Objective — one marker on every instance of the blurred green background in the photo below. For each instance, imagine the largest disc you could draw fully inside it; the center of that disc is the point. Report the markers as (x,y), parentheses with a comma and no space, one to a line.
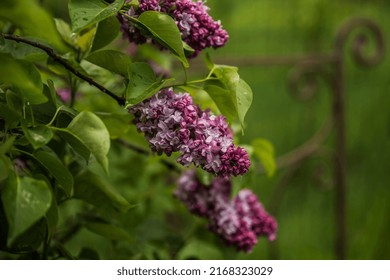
(306,210)
(304,206)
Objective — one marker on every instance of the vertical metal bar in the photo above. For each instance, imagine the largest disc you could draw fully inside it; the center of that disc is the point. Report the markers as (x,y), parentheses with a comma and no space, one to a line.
(340,162)
(339,156)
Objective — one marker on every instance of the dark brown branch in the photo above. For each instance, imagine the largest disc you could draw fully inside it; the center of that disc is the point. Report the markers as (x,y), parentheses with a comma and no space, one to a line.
(50,52)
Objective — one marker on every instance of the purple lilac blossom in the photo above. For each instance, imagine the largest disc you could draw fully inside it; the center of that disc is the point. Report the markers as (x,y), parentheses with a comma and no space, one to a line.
(172,123)
(228,224)
(64,94)
(197,27)
(254,214)
(238,221)
(192,193)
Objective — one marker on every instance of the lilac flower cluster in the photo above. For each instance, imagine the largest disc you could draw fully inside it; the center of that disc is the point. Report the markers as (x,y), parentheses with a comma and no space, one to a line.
(197,27)
(238,221)
(171,122)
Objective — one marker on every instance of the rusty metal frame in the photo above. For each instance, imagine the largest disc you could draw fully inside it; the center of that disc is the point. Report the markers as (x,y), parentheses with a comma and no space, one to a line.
(303,82)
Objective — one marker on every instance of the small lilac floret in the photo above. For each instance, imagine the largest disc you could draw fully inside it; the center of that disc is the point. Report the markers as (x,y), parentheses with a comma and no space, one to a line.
(64,94)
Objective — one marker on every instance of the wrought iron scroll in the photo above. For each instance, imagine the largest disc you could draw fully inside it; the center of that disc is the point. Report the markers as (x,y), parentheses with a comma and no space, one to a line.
(367,49)
(303,83)
(364,29)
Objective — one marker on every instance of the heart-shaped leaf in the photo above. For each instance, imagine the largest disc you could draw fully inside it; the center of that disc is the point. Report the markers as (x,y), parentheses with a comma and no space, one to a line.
(87,134)
(25,201)
(231,94)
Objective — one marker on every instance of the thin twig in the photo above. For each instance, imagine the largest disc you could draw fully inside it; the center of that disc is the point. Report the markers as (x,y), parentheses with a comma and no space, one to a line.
(50,52)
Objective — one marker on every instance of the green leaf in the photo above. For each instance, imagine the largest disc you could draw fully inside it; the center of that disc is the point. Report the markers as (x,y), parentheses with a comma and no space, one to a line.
(111,60)
(87,134)
(80,41)
(5,163)
(244,97)
(38,136)
(68,111)
(194,91)
(4,226)
(223,98)
(44,112)
(25,201)
(84,39)
(163,29)
(22,51)
(106,32)
(227,75)
(14,101)
(197,249)
(232,95)
(188,50)
(264,151)
(10,116)
(142,83)
(117,124)
(93,134)
(52,96)
(64,30)
(52,215)
(74,141)
(98,192)
(88,254)
(33,20)
(6,146)
(31,239)
(23,77)
(56,168)
(87,12)
(5,167)
(109,231)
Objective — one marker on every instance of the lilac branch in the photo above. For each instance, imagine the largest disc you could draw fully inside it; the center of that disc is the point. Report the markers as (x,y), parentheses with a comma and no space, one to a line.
(50,52)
